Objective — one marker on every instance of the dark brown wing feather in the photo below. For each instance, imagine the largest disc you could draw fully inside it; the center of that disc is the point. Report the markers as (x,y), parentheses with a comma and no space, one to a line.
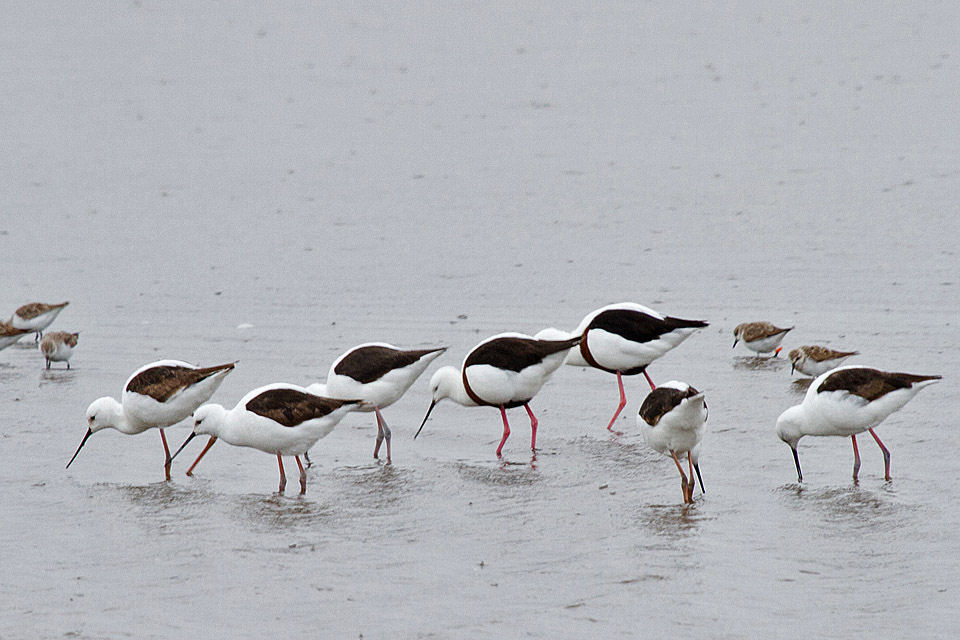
(870,384)
(34,309)
(290,407)
(661,401)
(637,326)
(516,354)
(370,363)
(160,383)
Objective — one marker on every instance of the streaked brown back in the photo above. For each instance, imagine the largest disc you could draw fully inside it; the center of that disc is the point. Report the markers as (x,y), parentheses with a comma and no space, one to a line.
(161,382)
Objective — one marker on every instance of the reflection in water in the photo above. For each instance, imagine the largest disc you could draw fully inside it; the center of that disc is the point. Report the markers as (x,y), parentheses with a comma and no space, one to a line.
(282,512)
(57,376)
(851,507)
(671,521)
(800,385)
(503,475)
(756,363)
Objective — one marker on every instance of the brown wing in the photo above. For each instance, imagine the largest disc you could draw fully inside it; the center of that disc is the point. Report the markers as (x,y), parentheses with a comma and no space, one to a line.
(34,309)
(758,330)
(819,354)
(661,401)
(370,363)
(161,382)
(7,330)
(516,354)
(869,384)
(637,326)
(290,407)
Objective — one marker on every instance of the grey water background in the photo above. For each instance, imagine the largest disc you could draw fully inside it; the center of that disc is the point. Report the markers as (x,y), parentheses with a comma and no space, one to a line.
(275,184)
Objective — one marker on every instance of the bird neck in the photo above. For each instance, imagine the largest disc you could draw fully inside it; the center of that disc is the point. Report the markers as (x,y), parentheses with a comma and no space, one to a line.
(451,386)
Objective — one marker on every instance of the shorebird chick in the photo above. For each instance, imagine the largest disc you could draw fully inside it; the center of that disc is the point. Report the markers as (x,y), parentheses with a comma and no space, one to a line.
(761,337)
(36,316)
(503,371)
(58,346)
(813,360)
(848,401)
(671,420)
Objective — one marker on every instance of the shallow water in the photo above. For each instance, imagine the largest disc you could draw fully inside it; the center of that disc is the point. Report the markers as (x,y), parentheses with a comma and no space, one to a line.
(213,183)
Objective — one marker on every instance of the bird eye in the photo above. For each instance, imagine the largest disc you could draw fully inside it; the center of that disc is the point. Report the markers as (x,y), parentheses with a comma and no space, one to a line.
(91,419)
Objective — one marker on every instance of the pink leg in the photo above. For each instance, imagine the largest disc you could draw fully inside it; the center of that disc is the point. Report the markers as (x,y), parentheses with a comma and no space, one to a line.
(283,477)
(383,433)
(687,492)
(856,459)
(506,430)
(166,452)
(649,381)
(886,456)
(303,476)
(623,403)
(533,428)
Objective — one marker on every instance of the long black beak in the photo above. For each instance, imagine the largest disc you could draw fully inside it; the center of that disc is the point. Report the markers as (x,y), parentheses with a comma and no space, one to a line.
(432,405)
(796,459)
(696,468)
(82,442)
(185,443)
(793,367)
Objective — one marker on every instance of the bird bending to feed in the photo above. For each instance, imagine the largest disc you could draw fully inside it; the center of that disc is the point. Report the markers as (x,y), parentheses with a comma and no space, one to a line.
(379,374)
(624,338)
(58,346)
(157,395)
(36,316)
(280,419)
(848,401)
(761,337)
(671,420)
(9,334)
(813,360)
(503,371)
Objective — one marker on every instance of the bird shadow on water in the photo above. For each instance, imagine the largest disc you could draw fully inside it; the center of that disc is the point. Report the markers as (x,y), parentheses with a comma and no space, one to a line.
(800,385)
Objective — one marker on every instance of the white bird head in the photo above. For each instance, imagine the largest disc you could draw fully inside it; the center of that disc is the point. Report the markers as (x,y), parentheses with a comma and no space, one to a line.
(790,428)
(208,420)
(446,382)
(103,413)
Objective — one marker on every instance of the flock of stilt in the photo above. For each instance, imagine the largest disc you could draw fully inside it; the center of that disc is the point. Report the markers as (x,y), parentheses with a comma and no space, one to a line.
(504,371)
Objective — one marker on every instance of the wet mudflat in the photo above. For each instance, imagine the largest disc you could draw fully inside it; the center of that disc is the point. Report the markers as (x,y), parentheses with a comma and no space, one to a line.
(276,186)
